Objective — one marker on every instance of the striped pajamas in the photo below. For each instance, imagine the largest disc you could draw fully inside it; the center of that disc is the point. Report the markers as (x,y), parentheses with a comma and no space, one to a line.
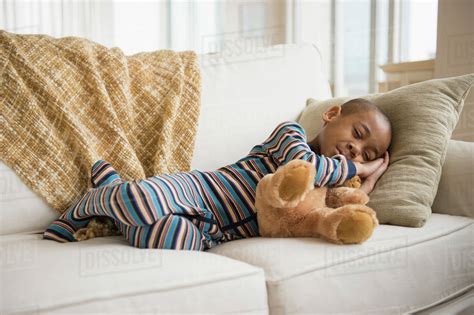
(194,210)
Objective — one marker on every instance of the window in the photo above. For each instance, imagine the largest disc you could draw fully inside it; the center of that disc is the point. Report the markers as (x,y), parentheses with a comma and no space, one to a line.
(362,35)
(355,46)
(134,26)
(418,22)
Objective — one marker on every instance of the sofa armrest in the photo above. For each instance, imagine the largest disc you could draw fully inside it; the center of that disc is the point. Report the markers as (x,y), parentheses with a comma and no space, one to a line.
(456,187)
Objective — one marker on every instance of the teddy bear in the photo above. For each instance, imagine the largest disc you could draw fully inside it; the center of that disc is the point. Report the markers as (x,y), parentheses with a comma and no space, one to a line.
(289,205)
(97,227)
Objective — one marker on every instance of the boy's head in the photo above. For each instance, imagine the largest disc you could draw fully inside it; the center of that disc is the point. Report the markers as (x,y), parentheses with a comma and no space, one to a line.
(357,129)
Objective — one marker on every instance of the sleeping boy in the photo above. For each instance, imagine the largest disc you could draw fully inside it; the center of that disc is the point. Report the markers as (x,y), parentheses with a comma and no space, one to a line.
(198,210)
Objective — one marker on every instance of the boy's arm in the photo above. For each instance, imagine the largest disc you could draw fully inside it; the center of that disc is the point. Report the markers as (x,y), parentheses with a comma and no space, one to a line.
(288,142)
(369,183)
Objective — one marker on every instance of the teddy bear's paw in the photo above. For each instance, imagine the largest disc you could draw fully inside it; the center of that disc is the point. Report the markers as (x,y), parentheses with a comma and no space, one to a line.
(337,197)
(296,180)
(354,182)
(357,225)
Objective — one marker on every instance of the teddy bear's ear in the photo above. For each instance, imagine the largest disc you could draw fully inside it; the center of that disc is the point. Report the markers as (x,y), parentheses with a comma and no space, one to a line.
(354,182)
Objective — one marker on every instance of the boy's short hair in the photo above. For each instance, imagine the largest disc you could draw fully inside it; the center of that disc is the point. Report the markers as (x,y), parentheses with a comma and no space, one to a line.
(358,105)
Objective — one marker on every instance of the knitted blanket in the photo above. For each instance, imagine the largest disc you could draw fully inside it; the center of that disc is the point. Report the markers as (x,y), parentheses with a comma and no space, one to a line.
(68,102)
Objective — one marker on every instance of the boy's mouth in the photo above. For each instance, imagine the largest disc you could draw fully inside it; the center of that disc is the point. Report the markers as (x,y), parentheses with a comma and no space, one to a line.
(339,151)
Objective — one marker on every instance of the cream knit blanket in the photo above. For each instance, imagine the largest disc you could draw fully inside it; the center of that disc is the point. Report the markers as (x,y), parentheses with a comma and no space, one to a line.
(68,102)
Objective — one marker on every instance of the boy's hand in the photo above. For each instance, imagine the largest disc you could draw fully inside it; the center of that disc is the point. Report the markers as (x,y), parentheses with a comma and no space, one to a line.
(364,170)
(369,183)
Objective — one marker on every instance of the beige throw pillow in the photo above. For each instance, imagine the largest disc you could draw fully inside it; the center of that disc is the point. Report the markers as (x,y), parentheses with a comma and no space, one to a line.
(423,116)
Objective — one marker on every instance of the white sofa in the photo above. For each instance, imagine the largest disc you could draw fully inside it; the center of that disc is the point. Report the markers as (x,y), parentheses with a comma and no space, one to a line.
(244,96)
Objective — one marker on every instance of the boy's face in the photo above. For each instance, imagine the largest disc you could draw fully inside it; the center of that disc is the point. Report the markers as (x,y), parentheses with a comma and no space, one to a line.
(360,137)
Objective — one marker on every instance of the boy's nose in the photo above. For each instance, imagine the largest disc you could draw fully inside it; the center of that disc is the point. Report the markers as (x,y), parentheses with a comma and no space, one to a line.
(354,150)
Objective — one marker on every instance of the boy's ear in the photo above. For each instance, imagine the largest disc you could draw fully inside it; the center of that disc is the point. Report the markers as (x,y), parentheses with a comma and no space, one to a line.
(331,113)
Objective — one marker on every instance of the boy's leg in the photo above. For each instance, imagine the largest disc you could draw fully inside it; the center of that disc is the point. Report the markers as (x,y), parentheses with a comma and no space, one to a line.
(169,232)
(137,208)
(136,203)
(103,174)
(62,230)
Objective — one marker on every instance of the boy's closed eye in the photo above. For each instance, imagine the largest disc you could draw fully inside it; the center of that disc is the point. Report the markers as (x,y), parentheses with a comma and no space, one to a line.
(370,153)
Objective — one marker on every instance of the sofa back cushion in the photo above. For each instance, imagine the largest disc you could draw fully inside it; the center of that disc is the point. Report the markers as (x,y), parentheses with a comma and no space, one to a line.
(21,210)
(455,191)
(244,96)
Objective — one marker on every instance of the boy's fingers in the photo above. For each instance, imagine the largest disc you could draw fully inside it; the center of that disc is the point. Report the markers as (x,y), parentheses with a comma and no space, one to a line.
(379,172)
(376,166)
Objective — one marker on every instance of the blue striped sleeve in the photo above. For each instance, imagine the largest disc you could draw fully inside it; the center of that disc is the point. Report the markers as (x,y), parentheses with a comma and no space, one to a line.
(288,142)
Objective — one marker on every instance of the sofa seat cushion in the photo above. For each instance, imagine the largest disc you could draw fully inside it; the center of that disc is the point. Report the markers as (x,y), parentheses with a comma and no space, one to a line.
(398,269)
(106,275)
